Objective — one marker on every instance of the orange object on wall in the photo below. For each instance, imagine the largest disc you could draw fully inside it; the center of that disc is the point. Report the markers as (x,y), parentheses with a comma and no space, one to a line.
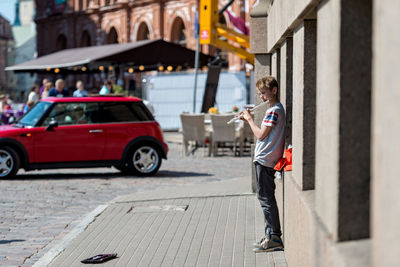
(286,162)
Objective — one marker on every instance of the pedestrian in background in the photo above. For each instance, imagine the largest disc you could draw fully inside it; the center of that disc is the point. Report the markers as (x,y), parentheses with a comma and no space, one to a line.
(117,87)
(107,88)
(59,90)
(4,101)
(28,106)
(47,89)
(269,149)
(80,90)
(34,94)
(44,82)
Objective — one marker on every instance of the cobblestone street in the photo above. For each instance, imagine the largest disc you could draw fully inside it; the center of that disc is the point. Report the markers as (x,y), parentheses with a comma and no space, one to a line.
(39,208)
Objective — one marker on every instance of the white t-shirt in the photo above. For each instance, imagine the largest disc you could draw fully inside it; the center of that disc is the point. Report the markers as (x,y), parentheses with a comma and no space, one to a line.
(270,149)
(33,97)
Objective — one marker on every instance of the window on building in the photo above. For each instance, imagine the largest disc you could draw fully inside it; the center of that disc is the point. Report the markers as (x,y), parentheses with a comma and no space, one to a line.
(112,37)
(143,32)
(61,42)
(178,33)
(85,39)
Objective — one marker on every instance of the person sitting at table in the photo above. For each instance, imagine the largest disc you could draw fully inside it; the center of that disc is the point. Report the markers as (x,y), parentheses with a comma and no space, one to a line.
(59,90)
(107,88)
(80,90)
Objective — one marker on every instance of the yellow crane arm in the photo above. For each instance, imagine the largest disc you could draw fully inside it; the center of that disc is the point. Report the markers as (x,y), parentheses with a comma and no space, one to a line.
(214,33)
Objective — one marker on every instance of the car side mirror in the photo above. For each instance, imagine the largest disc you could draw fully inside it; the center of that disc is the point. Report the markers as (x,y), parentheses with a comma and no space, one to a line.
(52,125)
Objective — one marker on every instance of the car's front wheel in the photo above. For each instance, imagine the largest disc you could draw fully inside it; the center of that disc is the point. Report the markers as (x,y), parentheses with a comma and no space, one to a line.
(144,160)
(9,162)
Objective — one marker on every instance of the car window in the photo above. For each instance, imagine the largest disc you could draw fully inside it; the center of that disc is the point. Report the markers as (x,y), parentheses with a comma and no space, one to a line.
(122,112)
(72,114)
(141,111)
(33,116)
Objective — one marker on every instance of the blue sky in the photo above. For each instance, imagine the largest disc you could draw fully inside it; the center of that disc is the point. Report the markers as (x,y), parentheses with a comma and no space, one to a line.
(7,9)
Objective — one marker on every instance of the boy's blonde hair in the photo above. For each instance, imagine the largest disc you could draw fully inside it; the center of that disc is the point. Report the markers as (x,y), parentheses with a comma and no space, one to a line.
(268,83)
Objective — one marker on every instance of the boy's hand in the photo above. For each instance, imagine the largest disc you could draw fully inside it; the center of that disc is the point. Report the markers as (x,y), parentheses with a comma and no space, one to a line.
(245,115)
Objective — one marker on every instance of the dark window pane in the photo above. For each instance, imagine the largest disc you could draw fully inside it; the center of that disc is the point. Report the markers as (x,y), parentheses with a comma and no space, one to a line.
(141,112)
(123,112)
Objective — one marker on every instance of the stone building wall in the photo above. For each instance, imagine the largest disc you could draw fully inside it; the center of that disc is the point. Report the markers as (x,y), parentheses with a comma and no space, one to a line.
(337,64)
(6,40)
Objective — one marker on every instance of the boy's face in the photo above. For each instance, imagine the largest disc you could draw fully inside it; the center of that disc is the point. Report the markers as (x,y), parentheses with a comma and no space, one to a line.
(267,95)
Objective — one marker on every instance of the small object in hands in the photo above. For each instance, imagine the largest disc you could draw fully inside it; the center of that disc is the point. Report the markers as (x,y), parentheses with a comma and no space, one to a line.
(236,118)
(100,258)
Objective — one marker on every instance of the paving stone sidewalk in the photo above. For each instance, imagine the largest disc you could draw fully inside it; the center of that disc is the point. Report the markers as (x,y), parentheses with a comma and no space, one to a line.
(211,224)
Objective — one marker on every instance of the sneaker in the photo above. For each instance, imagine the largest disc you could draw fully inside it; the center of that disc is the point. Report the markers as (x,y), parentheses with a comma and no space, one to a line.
(273,244)
(258,243)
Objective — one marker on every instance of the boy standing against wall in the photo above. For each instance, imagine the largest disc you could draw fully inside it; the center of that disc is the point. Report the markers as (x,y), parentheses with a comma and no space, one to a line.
(269,149)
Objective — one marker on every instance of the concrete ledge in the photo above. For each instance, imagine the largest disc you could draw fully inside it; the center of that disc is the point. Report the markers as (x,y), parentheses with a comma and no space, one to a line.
(299,217)
(307,242)
(340,254)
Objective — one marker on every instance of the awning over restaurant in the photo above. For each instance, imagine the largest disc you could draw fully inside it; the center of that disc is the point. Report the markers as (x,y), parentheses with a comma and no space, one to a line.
(142,55)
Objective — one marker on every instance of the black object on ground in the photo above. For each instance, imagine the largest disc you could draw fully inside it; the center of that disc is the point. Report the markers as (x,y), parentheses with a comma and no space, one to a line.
(100,258)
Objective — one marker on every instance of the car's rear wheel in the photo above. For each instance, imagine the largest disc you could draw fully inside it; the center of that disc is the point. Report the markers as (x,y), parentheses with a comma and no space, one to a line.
(144,160)
(9,162)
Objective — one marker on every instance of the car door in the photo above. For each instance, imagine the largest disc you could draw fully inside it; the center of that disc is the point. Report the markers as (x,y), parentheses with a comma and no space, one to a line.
(122,125)
(76,138)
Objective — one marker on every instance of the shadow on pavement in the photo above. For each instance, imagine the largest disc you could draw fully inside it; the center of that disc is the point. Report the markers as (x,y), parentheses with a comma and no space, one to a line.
(2,242)
(110,175)
(181,174)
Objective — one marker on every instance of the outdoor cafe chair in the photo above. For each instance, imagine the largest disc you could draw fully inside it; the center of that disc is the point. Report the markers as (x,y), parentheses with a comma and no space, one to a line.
(223,132)
(193,130)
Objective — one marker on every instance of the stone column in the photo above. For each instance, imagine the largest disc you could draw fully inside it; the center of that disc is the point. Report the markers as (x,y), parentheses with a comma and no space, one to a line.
(343,118)
(385,134)
(262,64)
(304,83)
(286,85)
(276,64)
(262,67)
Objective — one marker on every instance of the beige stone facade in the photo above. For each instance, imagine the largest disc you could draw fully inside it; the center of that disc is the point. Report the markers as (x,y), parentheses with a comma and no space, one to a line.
(337,64)
(95,22)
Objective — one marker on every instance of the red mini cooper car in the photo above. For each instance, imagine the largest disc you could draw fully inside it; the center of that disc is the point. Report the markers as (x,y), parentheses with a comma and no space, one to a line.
(84,132)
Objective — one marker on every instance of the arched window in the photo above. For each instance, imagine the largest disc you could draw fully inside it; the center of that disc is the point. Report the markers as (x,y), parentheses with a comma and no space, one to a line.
(143,32)
(178,32)
(61,42)
(112,37)
(85,39)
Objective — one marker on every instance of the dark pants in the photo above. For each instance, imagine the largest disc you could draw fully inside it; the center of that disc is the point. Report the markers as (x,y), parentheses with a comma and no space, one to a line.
(266,196)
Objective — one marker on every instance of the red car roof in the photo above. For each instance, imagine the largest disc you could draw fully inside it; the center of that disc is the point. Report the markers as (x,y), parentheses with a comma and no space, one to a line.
(92,99)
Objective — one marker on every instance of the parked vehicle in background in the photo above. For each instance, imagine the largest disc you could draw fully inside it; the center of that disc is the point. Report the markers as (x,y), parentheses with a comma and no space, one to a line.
(84,132)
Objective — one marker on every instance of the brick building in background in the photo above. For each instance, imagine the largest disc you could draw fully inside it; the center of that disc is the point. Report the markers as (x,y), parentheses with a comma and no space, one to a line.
(6,42)
(79,23)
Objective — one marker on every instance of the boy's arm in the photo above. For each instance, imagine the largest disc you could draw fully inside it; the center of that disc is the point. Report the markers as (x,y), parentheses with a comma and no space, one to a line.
(260,133)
